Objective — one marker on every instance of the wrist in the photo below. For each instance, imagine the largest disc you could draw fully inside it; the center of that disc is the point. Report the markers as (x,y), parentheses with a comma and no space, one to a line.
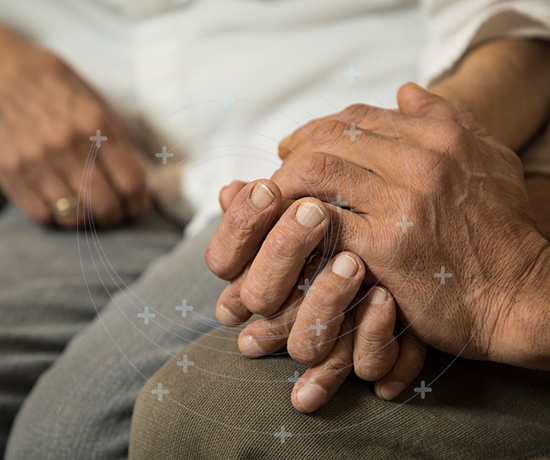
(521,335)
(505,82)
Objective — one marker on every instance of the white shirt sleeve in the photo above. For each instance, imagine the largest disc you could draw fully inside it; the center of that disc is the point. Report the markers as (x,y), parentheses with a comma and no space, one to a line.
(458,25)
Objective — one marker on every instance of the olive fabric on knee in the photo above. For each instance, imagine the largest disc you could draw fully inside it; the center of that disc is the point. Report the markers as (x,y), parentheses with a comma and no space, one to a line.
(227,406)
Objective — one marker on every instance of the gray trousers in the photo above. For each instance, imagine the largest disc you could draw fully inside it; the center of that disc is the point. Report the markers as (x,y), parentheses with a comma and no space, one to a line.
(74,353)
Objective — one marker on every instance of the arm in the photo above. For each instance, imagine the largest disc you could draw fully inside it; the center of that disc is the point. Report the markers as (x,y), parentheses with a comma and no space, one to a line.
(505,83)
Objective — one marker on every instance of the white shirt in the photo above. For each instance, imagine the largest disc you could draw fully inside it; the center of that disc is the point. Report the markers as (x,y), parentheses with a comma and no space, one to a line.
(163,65)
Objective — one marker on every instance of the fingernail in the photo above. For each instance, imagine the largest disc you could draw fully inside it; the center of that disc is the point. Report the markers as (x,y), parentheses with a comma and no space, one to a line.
(344,266)
(309,215)
(391,390)
(311,397)
(226,316)
(261,196)
(249,347)
(377,296)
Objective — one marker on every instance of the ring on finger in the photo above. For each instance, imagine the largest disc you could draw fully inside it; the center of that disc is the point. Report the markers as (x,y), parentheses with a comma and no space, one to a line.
(64,206)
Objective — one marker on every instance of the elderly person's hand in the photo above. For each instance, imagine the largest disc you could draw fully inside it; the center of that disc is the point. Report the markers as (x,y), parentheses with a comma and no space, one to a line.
(464,194)
(48,115)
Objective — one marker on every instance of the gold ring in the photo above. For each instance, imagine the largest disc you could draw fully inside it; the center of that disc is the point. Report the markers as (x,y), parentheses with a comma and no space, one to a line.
(64,206)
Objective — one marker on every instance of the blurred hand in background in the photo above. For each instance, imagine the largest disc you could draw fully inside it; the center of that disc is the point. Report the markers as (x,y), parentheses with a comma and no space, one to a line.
(47,116)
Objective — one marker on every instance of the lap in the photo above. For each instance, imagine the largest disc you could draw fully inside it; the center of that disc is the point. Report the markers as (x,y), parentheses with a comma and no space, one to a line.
(227,406)
(79,406)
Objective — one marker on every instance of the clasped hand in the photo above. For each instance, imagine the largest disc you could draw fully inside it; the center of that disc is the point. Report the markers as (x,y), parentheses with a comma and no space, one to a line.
(359,253)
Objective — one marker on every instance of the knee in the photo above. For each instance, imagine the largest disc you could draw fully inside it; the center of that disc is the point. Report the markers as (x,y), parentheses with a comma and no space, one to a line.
(227,406)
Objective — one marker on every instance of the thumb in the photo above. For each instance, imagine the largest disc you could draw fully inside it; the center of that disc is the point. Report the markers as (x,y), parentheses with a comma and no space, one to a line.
(415,101)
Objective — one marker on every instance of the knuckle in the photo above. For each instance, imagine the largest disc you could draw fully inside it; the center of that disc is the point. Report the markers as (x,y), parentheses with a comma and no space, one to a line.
(252,295)
(303,352)
(330,133)
(238,223)
(59,137)
(217,261)
(272,331)
(132,185)
(336,364)
(314,169)
(352,111)
(283,244)
(371,368)
(454,136)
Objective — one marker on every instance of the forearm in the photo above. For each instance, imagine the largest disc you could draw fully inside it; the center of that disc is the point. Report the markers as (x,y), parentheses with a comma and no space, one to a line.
(505,82)
(523,335)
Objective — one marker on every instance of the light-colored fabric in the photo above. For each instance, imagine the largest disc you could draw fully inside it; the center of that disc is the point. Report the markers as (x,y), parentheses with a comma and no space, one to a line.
(277,59)
(457,26)
(91,365)
(44,301)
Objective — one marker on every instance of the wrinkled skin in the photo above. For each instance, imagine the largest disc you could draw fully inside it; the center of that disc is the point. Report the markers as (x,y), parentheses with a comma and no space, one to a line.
(465,195)
(47,116)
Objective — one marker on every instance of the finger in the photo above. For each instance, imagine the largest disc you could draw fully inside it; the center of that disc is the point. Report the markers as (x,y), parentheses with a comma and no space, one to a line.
(78,168)
(284,149)
(375,348)
(117,157)
(119,162)
(25,199)
(364,148)
(320,382)
(243,226)
(417,102)
(321,313)
(267,335)
(230,311)
(228,193)
(330,179)
(279,261)
(378,120)
(51,188)
(66,157)
(412,353)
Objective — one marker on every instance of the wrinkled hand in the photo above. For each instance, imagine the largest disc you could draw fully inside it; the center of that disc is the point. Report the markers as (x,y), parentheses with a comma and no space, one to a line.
(47,116)
(464,194)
